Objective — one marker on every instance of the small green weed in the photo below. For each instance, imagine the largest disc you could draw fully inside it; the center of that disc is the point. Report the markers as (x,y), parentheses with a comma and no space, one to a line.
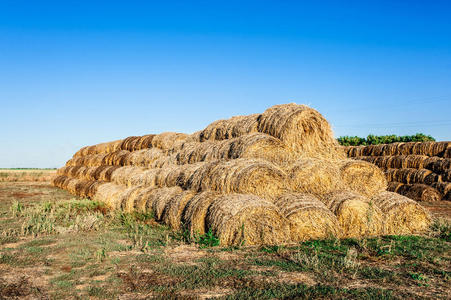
(208,240)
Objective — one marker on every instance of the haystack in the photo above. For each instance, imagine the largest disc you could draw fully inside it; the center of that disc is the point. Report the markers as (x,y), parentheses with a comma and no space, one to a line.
(362,177)
(314,176)
(239,219)
(309,218)
(356,214)
(402,215)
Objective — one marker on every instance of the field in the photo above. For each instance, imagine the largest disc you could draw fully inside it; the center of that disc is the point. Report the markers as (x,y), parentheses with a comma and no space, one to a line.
(57,246)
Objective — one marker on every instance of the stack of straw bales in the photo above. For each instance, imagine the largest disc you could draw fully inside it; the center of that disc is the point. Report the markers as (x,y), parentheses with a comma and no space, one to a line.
(418,170)
(270,178)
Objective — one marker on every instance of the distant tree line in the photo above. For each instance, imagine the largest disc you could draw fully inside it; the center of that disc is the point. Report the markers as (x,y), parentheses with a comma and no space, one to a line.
(382,139)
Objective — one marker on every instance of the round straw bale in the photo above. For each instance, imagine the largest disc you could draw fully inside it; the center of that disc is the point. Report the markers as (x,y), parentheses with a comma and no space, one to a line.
(423,148)
(254,145)
(447,153)
(309,217)
(412,176)
(94,160)
(439,148)
(239,219)
(72,171)
(446,176)
(89,173)
(71,162)
(172,213)
(58,180)
(81,188)
(233,127)
(166,140)
(302,128)
(91,189)
(402,215)
(145,142)
(160,198)
(70,185)
(143,158)
(143,178)
(110,194)
(163,162)
(193,216)
(128,143)
(356,214)
(405,148)
(376,150)
(258,145)
(440,166)
(190,176)
(139,201)
(194,137)
(167,176)
(315,176)
(115,158)
(65,183)
(129,203)
(363,177)
(80,172)
(443,187)
(415,161)
(98,171)
(356,151)
(198,176)
(128,197)
(123,174)
(420,192)
(246,176)
(106,173)
(394,186)
(193,152)
(63,170)
(79,153)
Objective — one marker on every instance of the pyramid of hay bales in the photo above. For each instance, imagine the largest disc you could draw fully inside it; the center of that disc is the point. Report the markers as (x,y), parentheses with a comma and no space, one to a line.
(418,170)
(271,178)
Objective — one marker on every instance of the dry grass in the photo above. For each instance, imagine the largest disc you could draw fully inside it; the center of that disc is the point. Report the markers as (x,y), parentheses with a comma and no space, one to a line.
(26,175)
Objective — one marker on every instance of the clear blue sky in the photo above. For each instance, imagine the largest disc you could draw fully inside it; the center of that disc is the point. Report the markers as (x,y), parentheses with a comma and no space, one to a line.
(74,73)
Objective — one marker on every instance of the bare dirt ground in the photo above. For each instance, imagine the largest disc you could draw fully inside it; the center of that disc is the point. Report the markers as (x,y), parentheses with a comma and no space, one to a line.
(53,245)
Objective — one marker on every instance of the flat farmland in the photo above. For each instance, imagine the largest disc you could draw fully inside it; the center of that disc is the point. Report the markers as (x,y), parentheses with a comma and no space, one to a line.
(54,245)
